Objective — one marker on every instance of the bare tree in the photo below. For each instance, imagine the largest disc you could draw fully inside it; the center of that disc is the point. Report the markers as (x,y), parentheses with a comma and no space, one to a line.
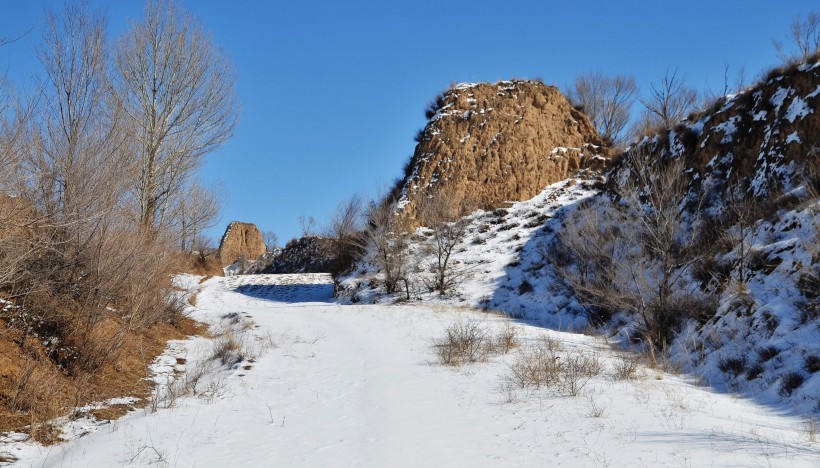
(196,210)
(634,255)
(736,85)
(388,243)
(271,240)
(177,90)
(606,100)
(804,35)
(76,145)
(741,213)
(345,232)
(308,225)
(448,230)
(669,101)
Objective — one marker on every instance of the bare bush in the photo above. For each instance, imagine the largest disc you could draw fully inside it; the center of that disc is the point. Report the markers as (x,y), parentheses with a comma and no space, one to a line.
(448,231)
(506,340)
(464,341)
(596,409)
(549,365)
(812,425)
(804,36)
(388,243)
(741,213)
(635,254)
(537,366)
(228,350)
(607,100)
(626,367)
(577,369)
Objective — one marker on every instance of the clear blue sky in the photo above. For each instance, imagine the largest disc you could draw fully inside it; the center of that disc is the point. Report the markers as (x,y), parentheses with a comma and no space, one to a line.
(332,92)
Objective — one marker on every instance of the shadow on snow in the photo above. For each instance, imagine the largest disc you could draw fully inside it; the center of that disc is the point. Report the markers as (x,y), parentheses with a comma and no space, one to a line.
(289,293)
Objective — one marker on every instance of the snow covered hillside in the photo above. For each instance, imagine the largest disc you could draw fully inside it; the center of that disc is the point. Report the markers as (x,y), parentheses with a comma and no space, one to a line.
(764,342)
(285,382)
(499,264)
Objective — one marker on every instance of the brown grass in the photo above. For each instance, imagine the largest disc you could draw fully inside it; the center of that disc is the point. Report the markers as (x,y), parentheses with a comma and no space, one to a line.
(34,391)
(195,264)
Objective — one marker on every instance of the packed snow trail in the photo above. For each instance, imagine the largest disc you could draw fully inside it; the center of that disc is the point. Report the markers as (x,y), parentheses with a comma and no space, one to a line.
(358,386)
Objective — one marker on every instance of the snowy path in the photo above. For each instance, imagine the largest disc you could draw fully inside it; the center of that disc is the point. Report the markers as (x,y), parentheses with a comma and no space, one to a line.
(358,386)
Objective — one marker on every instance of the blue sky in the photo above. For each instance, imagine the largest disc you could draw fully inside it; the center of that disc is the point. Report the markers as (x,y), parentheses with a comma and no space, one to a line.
(332,92)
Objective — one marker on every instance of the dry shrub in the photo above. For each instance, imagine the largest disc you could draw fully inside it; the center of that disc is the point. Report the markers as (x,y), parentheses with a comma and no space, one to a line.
(549,365)
(507,339)
(538,366)
(467,341)
(229,350)
(577,369)
(791,382)
(626,367)
(197,264)
(464,341)
(812,426)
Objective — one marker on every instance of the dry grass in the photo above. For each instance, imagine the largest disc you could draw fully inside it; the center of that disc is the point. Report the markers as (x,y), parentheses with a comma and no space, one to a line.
(34,391)
(812,426)
(467,341)
(626,367)
(548,364)
(195,264)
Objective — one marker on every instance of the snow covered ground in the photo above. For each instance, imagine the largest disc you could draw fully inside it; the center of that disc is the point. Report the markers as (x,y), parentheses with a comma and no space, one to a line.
(313,383)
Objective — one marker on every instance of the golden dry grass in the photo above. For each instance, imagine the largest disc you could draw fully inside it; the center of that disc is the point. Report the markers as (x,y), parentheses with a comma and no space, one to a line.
(33,390)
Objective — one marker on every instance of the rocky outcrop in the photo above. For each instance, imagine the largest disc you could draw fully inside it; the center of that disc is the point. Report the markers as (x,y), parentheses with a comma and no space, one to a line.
(309,254)
(765,140)
(487,144)
(241,240)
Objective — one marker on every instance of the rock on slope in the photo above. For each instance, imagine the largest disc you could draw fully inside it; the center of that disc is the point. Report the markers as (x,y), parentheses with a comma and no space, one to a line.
(487,144)
(308,254)
(768,135)
(241,240)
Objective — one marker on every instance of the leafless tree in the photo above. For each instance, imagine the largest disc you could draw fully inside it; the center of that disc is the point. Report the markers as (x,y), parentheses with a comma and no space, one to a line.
(345,233)
(308,225)
(804,35)
(448,230)
(741,213)
(607,100)
(388,243)
(729,85)
(76,148)
(634,254)
(271,240)
(669,101)
(196,210)
(177,90)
